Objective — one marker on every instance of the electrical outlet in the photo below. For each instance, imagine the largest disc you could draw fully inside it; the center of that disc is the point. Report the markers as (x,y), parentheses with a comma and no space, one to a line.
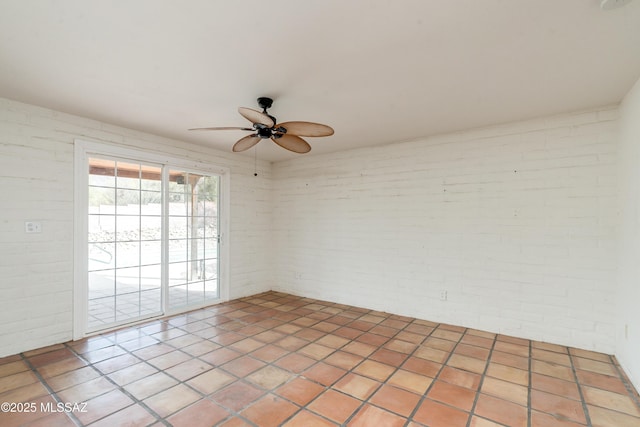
(443,295)
(32,227)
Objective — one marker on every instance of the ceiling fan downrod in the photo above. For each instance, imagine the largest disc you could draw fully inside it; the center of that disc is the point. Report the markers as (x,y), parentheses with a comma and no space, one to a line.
(266,103)
(261,130)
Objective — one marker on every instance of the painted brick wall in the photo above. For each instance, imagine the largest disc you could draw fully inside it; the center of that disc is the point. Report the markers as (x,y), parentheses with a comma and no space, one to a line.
(36,168)
(515,222)
(628,331)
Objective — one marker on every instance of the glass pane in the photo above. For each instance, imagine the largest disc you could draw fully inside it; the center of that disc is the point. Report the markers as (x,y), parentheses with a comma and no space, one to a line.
(178,250)
(127,307)
(151,289)
(102,172)
(151,227)
(128,202)
(177,204)
(150,252)
(128,175)
(127,182)
(177,296)
(195,293)
(127,280)
(177,227)
(127,254)
(101,288)
(207,191)
(101,284)
(211,289)
(150,301)
(151,276)
(211,207)
(178,182)
(101,312)
(210,269)
(101,228)
(211,248)
(177,273)
(195,228)
(151,178)
(128,227)
(151,202)
(196,248)
(101,200)
(101,256)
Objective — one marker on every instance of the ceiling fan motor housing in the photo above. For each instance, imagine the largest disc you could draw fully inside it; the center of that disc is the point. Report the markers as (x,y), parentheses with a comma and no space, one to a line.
(265,102)
(263,132)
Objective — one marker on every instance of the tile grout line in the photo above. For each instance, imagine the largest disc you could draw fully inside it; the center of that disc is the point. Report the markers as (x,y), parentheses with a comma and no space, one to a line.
(444,363)
(579,385)
(356,411)
(364,402)
(232,413)
(627,384)
(482,377)
(146,362)
(114,342)
(389,338)
(530,386)
(272,363)
(410,355)
(316,362)
(397,368)
(49,389)
(121,389)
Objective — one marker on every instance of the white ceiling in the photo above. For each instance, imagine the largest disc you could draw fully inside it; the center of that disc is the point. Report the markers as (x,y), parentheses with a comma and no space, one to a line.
(377,71)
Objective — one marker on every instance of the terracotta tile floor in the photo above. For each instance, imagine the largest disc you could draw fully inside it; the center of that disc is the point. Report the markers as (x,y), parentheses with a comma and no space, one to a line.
(275,359)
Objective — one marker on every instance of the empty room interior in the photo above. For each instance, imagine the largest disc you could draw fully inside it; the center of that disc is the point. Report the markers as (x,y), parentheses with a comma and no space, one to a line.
(320,213)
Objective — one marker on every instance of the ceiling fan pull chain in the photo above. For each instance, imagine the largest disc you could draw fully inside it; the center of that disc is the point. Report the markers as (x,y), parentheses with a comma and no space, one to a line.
(255,162)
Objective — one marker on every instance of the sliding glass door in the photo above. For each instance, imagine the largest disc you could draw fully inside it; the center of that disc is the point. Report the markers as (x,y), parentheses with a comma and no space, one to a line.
(152,239)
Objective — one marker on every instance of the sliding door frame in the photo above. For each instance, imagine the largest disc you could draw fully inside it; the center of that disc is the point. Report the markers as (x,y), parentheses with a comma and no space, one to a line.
(83,150)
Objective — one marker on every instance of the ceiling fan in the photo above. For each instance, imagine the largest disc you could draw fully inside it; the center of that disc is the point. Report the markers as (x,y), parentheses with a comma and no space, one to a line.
(286,135)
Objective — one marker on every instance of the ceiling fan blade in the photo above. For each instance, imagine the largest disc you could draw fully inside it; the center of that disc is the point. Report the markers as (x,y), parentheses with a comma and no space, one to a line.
(245,143)
(256,116)
(293,143)
(306,129)
(222,128)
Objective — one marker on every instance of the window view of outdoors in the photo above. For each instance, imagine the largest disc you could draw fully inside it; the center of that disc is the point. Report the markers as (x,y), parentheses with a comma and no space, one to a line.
(125,238)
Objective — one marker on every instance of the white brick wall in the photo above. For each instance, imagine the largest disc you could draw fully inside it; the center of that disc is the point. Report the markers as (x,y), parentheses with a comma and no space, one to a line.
(36,168)
(515,222)
(628,328)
